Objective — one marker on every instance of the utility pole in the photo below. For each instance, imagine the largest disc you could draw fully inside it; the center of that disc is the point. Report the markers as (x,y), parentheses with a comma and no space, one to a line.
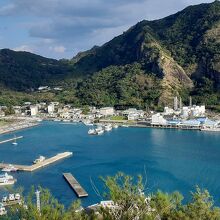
(38,199)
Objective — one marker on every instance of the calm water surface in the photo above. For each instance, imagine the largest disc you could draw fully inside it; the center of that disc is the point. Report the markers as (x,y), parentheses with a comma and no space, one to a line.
(173,159)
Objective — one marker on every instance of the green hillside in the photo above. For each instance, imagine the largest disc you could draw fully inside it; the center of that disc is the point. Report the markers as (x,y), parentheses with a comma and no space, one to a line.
(145,66)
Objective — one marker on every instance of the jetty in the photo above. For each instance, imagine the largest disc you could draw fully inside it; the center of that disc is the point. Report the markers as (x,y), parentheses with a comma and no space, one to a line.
(11,139)
(80,192)
(39,165)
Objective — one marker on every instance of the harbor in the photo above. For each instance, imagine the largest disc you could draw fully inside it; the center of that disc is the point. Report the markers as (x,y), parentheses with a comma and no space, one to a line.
(78,189)
(126,149)
(39,165)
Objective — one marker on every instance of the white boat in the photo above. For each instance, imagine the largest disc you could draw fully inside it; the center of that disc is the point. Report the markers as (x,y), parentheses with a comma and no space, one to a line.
(2,210)
(10,168)
(99,130)
(88,123)
(115,126)
(92,131)
(125,126)
(15,141)
(211,129)
(38,160)
(108,127)
(6,179)
(66,120)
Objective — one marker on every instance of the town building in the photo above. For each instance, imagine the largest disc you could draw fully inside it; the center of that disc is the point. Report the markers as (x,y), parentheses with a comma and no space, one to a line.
(50,108)
(158,119)
(34,110)
(107,111)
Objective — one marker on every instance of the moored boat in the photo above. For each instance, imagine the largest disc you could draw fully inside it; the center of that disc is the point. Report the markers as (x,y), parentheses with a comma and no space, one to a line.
(99,130)
(210,129)
(38,160)
(92,131)
(6,179)
(115,126)
(10,168)
(108,127)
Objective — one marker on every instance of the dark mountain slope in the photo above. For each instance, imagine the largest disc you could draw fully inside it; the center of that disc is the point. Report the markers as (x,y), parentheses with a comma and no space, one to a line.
(23,70)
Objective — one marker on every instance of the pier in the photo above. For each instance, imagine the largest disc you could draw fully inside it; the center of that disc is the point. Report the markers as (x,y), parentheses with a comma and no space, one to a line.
(39,165)
(80,192)
(11,139)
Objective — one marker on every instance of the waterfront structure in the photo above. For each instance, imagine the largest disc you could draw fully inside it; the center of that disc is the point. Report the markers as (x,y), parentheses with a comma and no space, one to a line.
(133,114)
(168,111)
(50,108)
(158,119)
(34,110)
(107,111)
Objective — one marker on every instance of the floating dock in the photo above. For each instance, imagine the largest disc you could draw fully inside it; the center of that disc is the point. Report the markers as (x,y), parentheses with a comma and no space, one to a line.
(11,139)
(11,203)
(80,192)
(39,165)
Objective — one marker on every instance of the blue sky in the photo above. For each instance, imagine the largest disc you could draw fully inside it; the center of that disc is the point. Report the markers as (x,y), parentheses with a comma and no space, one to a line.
(62,28)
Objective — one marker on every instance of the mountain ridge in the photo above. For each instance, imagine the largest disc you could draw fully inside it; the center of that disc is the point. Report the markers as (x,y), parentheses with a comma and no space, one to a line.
(178,55)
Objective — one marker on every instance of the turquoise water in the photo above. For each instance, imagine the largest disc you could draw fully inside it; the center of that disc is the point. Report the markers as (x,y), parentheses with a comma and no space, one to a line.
(173,159)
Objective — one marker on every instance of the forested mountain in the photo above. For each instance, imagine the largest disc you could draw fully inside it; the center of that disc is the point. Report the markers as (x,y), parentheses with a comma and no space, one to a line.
(22,70)
(146,65)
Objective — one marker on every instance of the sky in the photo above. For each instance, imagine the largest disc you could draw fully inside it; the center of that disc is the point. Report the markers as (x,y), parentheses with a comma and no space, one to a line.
(62,28)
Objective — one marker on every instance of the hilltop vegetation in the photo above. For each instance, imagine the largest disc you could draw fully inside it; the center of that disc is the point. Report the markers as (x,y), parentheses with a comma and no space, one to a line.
(146,65)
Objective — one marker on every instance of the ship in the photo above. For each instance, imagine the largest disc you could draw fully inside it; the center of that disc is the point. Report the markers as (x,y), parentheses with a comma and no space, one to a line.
(217,129)
(6,179)
(15,141)
(108,127)
(10,168)
(38,160)
(99,130)
(92,132)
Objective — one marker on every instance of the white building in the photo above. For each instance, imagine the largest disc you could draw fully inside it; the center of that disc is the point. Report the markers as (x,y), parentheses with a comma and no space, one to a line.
(197,111)
(168,111)
(50,108)
(185,112)
(107,111)
(158,119)
(34,110)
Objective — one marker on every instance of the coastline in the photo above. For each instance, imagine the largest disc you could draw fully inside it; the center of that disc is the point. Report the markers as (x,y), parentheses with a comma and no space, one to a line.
(17,127)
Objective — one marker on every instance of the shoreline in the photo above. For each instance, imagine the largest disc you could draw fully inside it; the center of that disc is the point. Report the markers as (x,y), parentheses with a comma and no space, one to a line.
(17,127)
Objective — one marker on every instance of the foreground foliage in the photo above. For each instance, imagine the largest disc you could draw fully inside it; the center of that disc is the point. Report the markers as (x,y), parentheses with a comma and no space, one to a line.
(130,203)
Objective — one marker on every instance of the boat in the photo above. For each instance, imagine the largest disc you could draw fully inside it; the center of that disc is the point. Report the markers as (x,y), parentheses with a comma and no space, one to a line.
(15,141)
(38,160)
(2,210)
(92,131)
(10,168)
(211,129)
(115,126)
(6,179)
(88,123)
(108,127)
(66,120)
(99,130)
(125,126)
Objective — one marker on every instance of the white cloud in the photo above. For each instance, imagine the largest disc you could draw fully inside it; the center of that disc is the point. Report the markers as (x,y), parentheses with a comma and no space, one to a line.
(58,49)
(24,48)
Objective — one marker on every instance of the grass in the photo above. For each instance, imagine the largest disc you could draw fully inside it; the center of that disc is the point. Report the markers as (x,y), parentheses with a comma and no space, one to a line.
(118,117)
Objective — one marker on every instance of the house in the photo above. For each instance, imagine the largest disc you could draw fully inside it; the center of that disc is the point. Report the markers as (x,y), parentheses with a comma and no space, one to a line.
(168,111)
(50,108)
(34,110)
(107,111)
